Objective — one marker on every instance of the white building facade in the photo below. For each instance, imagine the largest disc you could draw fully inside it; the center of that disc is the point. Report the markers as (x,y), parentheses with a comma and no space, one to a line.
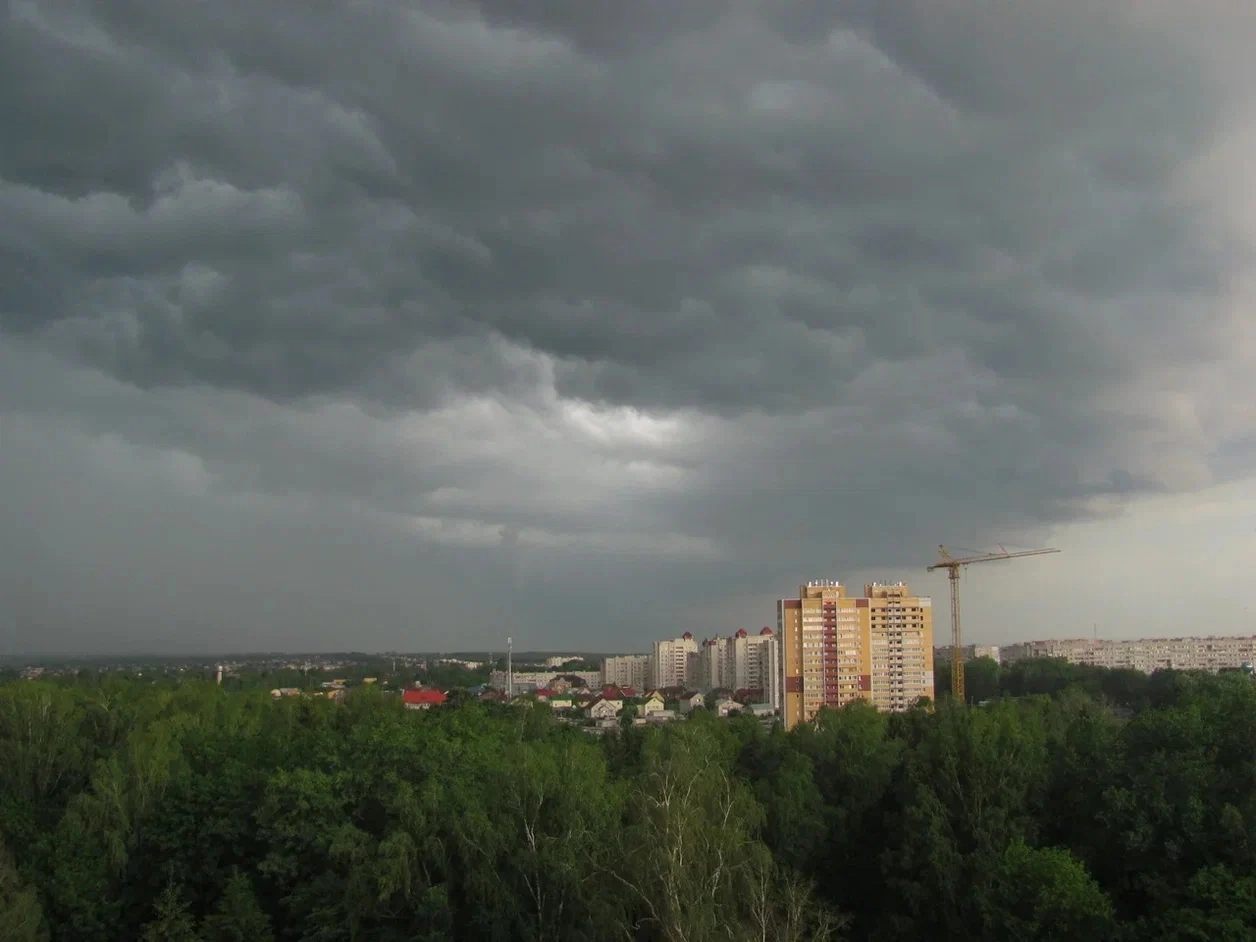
(630,670)
(527,681)
(1143,654)
(748,664)
(676,662)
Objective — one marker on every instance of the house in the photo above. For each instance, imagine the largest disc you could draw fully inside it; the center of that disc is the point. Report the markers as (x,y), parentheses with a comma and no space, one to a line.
(423,699)
(566,683)
(582,700)
(691,701)
(724,706)
(560,702)
(653,703)
(602,709)
(762,710)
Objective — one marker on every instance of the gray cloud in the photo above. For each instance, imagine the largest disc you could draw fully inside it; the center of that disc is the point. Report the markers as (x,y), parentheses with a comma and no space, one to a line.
(604,301)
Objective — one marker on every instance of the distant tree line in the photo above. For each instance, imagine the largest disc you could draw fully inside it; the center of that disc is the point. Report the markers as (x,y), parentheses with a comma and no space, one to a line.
(985,679)
(1073,805)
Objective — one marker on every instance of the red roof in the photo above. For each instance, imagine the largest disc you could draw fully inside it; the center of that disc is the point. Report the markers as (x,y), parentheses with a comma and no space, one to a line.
(766,630)
(742,633)
(424,696)
(687,636)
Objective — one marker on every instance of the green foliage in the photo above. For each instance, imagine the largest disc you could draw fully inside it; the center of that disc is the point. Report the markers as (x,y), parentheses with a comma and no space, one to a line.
(1076,804)
(171,922)
(1044,894)
(21,917)
(238,916)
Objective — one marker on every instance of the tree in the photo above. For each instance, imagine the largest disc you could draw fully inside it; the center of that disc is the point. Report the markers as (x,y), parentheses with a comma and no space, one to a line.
(171,921)
(238,917)
(1218,906)
(627,714)
(1042,894)
(981,679)
(21,919)
(193,812)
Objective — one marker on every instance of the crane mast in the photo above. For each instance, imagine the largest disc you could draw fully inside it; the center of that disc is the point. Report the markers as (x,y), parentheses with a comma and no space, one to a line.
(953,565)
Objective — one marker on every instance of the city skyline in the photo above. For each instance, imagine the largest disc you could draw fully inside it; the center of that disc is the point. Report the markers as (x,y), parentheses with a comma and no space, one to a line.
(398,323)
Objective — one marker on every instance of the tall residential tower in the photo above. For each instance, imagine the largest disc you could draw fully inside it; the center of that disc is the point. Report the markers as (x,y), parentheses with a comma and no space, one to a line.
(836,649)
(675,662)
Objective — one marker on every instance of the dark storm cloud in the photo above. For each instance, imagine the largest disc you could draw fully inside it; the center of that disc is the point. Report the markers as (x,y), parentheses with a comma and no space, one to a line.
(824,239)
(361,182)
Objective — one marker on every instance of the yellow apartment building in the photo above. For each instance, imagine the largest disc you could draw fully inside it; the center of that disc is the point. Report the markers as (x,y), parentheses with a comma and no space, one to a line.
(836,648)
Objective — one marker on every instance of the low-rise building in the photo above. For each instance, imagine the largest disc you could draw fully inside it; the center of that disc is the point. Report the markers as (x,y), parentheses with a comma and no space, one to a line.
(691,701)
(652,704)
(535,680)
(422,699)
(602,708)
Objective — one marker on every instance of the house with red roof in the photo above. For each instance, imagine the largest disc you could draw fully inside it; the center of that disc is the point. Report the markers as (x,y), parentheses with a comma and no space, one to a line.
(422,699)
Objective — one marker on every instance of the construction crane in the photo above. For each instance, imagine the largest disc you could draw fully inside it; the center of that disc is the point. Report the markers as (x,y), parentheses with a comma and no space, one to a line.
(952,565)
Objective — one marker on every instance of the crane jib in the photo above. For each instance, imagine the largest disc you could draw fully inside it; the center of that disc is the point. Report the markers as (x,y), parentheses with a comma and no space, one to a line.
(953,565)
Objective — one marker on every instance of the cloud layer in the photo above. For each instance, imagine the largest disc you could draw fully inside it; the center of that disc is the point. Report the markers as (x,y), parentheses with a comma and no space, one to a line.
(416,324)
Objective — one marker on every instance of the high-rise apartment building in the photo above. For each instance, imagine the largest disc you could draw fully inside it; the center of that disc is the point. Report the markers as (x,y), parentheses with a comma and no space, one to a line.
(836,649)
(715,667)
(756,665)
(747,664)
(676,662)
(630,670)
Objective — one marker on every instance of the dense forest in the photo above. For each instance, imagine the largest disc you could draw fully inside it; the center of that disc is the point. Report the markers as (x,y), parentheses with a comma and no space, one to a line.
(1064,804)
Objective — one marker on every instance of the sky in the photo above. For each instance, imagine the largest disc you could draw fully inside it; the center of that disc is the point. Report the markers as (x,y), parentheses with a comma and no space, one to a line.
(417,325)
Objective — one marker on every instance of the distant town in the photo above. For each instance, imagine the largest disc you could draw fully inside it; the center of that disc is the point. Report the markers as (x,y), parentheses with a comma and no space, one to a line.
(828,648)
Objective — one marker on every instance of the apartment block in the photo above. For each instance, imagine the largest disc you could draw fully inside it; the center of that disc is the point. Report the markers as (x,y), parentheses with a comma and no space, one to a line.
(835,648)
(942,655)
(715,664)
(675,662)
(745,663)
(630,670)
(1210,653)
(757,665)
